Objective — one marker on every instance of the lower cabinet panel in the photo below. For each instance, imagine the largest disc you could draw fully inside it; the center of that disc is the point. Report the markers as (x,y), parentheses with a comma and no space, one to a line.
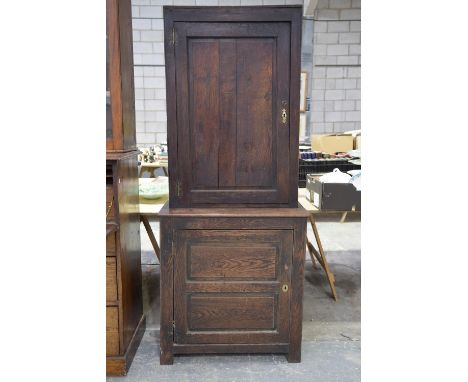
(215,261)
(231,312)
(231,283)
(228,287)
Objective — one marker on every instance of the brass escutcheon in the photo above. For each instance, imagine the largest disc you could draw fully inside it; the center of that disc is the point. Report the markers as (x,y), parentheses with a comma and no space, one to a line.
(285,287)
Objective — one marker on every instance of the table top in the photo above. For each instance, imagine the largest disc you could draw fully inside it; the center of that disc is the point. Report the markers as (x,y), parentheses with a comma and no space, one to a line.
(154,206)
(235,212)
(302,199)
(154,164)
(151,206)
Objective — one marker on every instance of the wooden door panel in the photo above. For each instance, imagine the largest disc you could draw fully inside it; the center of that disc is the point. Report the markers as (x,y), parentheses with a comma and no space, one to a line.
(207,312)
(228,113)
(228,286)
(231,85)
(212,262)
(255,60)
(204,84)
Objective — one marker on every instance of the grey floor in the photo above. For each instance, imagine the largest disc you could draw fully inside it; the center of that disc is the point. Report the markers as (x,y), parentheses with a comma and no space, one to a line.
(331,348)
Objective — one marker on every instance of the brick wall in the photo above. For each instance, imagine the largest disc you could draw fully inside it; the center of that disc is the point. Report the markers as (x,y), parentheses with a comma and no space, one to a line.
(336,74)
(334,90)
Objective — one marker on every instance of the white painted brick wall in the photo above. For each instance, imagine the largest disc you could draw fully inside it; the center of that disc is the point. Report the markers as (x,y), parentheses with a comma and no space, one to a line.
(148,50)
(340,4)
(337,59)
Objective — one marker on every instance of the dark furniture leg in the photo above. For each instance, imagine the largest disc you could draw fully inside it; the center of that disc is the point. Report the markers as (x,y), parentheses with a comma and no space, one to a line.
(297,292)
(166,294)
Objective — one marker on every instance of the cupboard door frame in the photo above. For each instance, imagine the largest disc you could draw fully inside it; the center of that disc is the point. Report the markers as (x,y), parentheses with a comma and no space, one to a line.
(278,34)
(216,293)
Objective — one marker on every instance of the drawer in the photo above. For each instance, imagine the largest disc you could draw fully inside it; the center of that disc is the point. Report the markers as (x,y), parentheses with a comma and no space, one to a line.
(112,331)
(111,279)
(111,244)
(110,202)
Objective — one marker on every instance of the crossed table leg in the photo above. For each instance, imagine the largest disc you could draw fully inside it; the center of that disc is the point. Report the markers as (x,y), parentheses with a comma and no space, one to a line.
(314,254)
(150,233)
(320,256)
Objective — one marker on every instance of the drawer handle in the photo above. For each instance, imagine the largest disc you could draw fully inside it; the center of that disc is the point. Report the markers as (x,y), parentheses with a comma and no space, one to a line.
(285,287)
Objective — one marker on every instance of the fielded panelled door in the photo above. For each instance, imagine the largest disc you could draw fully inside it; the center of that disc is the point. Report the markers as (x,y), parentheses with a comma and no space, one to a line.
(232,116)
(231,286)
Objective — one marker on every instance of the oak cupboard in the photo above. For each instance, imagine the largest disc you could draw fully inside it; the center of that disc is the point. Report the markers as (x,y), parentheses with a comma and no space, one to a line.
(232,235)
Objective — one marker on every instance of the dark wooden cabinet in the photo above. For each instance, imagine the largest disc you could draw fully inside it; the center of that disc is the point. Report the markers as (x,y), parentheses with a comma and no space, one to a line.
(232,235)
(231,281)
(233,105)
(125,322)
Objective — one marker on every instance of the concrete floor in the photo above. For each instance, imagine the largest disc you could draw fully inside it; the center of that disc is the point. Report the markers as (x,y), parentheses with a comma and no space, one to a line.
(331,349)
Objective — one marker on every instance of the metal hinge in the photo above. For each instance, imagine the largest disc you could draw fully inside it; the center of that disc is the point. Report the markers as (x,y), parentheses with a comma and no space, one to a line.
(173,40)
(179,188)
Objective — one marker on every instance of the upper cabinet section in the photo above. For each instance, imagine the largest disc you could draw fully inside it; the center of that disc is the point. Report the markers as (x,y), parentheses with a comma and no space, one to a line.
(233,105)
(120,90)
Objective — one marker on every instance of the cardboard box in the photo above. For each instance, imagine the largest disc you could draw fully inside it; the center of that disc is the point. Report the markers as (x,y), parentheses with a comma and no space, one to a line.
(332,196)
(332,143)
(357,142)
(357,138)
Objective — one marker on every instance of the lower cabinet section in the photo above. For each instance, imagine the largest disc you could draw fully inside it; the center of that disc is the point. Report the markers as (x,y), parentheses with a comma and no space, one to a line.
(231,283)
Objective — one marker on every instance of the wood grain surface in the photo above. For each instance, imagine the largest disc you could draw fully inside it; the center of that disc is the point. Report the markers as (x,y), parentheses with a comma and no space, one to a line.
(232,262)
(111,279)
(249,312)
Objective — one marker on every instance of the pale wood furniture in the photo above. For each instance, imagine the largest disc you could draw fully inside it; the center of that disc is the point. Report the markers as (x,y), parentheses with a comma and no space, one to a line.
(149,209)
(150,167)
(317,254)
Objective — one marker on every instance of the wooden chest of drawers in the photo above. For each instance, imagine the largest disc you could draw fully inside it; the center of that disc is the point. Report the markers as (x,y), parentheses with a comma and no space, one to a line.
(125,322)
(231,281)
